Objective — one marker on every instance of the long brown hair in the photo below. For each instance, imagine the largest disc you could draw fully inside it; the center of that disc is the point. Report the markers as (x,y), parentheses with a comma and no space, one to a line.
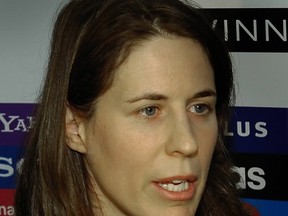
(90,40)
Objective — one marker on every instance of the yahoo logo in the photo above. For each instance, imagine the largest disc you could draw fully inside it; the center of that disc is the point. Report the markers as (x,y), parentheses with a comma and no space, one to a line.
(12,123)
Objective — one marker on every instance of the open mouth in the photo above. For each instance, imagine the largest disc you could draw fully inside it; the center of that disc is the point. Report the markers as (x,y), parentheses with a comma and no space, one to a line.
(175,186)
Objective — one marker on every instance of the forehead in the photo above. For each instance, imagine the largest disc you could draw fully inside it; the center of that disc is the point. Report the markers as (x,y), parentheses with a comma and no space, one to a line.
(162,61)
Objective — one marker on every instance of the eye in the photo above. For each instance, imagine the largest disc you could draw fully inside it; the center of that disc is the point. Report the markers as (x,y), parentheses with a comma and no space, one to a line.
(200,109)
(149,112)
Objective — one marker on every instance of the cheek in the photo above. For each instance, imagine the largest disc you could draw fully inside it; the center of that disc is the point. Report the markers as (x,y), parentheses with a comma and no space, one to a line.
(119,148)
(119,156)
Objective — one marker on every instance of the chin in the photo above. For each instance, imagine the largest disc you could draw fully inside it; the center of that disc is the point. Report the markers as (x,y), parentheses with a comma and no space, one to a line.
(175,211)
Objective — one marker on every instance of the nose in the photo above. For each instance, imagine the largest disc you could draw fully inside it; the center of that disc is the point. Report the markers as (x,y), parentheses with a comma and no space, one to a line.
(182,140)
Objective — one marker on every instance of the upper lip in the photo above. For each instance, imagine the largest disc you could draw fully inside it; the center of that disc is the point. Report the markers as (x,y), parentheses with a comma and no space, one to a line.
(188,178)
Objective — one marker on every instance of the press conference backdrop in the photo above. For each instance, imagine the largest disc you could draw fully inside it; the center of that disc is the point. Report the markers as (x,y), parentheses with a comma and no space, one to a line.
(256,35)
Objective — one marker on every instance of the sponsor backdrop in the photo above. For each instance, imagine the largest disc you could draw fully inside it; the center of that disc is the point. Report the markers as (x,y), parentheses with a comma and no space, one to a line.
(256,35)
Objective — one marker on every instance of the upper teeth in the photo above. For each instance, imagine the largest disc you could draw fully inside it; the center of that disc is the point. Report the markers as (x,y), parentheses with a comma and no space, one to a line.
(175,185)
(177,181)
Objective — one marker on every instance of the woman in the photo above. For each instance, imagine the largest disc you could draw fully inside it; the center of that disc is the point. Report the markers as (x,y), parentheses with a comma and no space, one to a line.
(130,119)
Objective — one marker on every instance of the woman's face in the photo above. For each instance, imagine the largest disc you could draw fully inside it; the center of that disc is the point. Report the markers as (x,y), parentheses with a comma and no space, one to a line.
(150,142)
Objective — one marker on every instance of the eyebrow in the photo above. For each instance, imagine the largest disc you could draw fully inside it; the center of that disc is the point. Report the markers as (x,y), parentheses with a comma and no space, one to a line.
(148,96)
(156,96)
(205,93)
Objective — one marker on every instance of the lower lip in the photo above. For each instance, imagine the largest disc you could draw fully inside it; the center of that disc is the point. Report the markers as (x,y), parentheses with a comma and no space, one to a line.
(176,196)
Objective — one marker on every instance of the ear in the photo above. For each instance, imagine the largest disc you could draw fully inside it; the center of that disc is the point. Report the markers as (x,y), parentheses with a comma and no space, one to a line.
(75,133)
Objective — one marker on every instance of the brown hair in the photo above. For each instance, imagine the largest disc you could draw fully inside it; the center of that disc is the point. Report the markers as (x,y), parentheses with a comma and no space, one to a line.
(90,40)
